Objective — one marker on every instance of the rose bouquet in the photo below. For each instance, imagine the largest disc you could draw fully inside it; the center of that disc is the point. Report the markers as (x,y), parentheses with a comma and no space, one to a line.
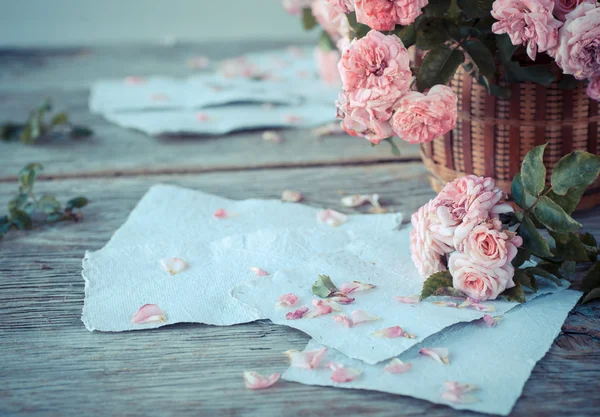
(471,241)
(388,92)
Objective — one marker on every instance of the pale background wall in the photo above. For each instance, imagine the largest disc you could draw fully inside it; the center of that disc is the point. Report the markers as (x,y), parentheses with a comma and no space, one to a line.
(85,22)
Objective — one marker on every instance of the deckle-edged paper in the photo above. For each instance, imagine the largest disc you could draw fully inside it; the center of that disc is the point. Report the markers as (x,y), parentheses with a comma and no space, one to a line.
(395,275)
(125,274)
(498,360)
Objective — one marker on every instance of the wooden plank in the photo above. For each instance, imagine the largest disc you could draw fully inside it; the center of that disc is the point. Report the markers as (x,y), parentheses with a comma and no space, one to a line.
(26,78)
(50,365)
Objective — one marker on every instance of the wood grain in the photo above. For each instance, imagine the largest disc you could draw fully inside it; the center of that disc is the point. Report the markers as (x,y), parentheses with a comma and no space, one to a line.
(51,366)
(27,77)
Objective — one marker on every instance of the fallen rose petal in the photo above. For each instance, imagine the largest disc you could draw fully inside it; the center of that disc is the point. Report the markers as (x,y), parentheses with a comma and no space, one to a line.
(440,355)
(202,117)
(458,393)
(298,314)
(134,80)
(309,359)
(393,332)
(259,272)
(470,303)
(343,320)
(396,366)
(334,306)
(292,118)
(360,316)
(254,380)
(291,196)
(355,286)
(342,299)
(287,300)
(319,310)
(331,217)
(149,313)
(491,321)
(359,200)
(341,374)
(411,299)
(446,303)
(272,136)
(329,130)
(220,214)
(173,265)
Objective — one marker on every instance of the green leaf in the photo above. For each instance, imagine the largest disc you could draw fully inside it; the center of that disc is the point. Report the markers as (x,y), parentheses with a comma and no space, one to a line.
(27,177)
(533,240)
(482,57)
(533,171)
(10,131)
(308,20)
(540,272)
(588,239)
(78,131)
(437,7)
(438,66)
(59,119)
(407,34)
(569,247)
(527,280)
(323,287)
(566,270)
(395,150)
(569,201)
(577,169)
(436,281)
(591,278)
(20,219)
(431,33)
(592,295)
(326,43)
(48,204)
(499,91)
(77,202)
(568,82)
(517,191)
(554,217)
(18,202)
(505,47)
(476,8)
(534,73)
(515,294)
(523,256)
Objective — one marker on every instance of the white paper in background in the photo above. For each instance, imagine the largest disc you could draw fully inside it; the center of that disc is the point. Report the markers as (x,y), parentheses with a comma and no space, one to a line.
(171,214)
(120,280)
(163,93)
(397,278)
(499,360)
(226,119)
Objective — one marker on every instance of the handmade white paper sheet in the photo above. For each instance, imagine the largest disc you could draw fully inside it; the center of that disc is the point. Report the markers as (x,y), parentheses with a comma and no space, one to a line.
(398,277)
(125,274)
(498,360)
(221,120)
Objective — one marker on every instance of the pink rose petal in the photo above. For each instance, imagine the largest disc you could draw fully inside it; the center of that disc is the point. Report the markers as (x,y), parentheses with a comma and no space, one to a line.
(287,300)
(292,118)
(359,200)
(259,272)
(298,314)
(341,374)
(360,316)
(328,130)
(202,117)
(328,302)
(253,380)
(134,80)
(446,304)
(470,303)
(411,299)
(272,136)
(320,309)
(220,214)
(342,299)
(331,217)
(355,286)
(292,196)
(396,366)
(393,332)
(491,321)
(173,265)
(459,393)
(343,320)
(149,313)
(440,355)
(309,359)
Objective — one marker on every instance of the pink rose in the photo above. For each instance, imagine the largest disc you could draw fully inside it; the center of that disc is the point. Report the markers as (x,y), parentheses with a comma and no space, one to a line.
(331,19)
(527,22)
(468,201)
(327,62)
(476,281)
(362,120)
(490,246)
(427,246)
(344,6)
(564,7)
(593,89)
(421,118)
(295,6)
(386,14)
(578,51)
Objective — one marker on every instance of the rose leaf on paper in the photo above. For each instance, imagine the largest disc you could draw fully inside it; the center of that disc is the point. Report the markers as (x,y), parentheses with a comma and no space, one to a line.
(323,287)
(437,281)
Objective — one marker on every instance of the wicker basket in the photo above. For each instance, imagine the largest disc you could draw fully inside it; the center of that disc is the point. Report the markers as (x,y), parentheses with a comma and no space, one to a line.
(492,135)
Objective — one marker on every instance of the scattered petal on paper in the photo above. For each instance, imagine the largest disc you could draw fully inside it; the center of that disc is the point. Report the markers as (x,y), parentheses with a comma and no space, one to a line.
(253,380)
(331,217)
(272,136)
(396,366)
(491,321)
(360,316)
(393,332)
(320,309)
(343,320)
(341,299)
(287,300)
(292,196)
(173,266)
(309,359)
(149,313)
(355,286)
(459,393)
(469,303)
(440,355)
(258,272)
(297,314)
(359,200)
(342,374)
(411,299)
(220,214)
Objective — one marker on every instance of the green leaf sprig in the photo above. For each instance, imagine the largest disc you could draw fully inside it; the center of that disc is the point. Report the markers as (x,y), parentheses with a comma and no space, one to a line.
(38,127)
(26,209)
